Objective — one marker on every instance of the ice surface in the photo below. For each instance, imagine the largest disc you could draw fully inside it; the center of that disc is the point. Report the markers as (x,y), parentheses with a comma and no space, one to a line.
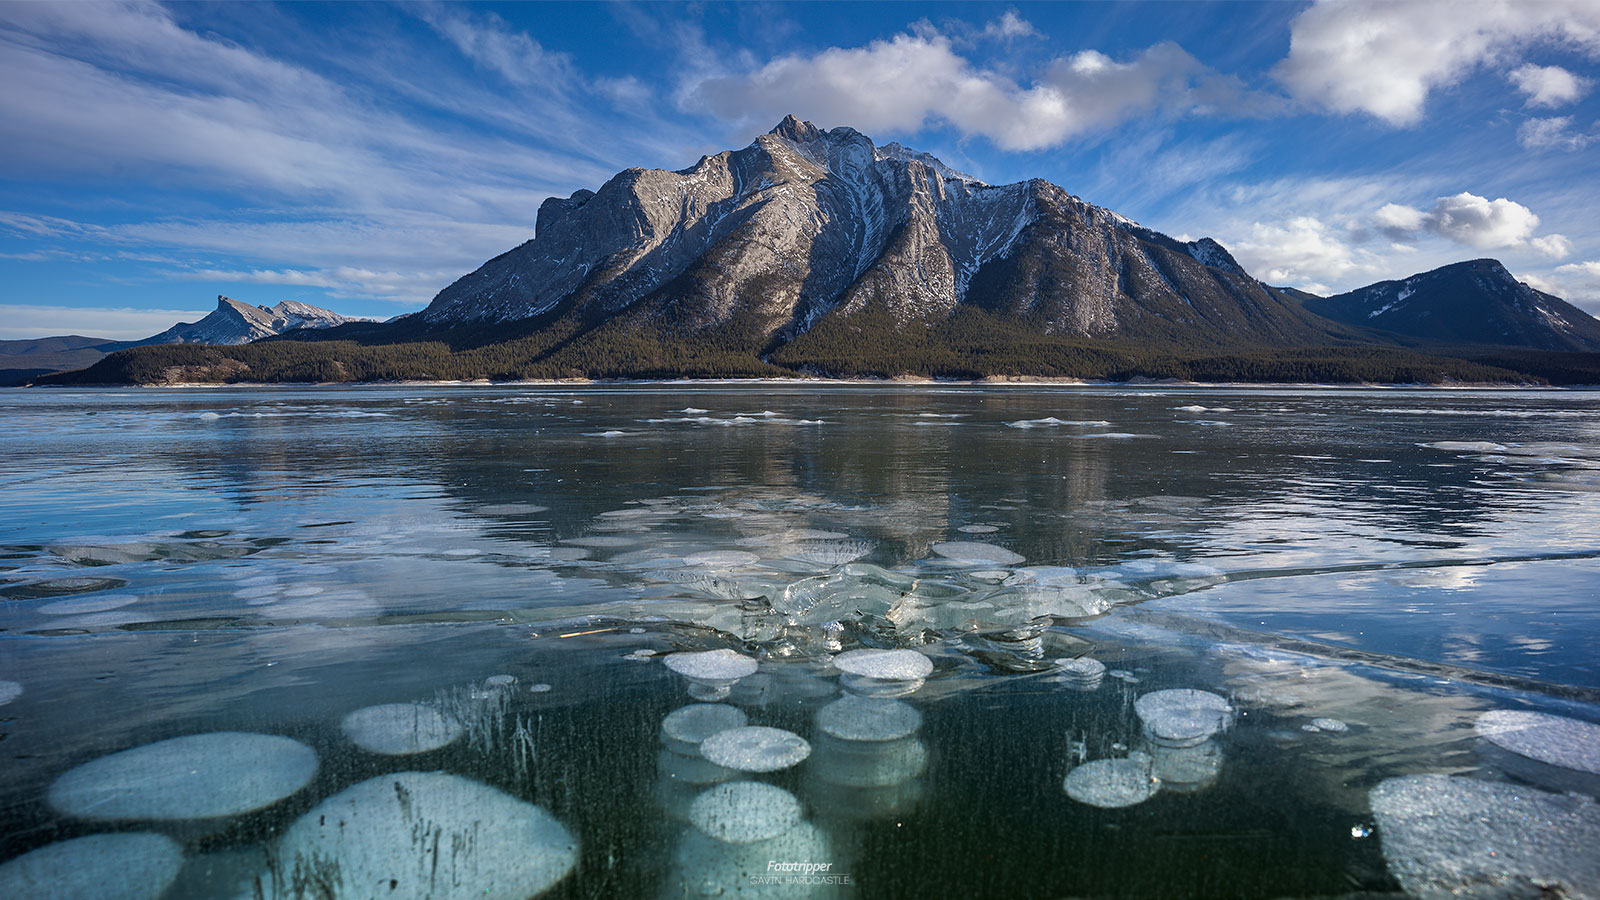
(741,812)
(755,748)
(400,729)
(722,559)
(201,776)
(91,604)
(9,691)
(1446,837)
(124,866)
(420,835)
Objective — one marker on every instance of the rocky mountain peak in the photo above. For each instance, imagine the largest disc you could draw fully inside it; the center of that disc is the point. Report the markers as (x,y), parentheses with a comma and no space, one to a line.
(792,129)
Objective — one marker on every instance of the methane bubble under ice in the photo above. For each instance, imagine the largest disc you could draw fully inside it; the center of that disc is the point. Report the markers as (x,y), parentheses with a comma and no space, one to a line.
(202,776)
(683,730)
(400,729)
(417,836)
(1447,837)
(742,812)
(854,718)
(755,748)
(123,866)
(1113,783)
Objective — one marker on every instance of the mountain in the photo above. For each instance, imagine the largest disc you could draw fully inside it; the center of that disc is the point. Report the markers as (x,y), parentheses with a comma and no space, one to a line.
(807,229)
(817,252)
(20,361)
(233,322)
(1474,302)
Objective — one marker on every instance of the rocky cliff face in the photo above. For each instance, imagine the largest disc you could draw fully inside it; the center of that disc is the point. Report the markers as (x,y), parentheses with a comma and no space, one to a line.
(1474,302)
(805,224)
(233,322)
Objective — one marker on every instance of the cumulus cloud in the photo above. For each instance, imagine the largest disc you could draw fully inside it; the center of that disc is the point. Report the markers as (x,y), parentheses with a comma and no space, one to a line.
(1384,58)
(1302,252)
(1549,86)
(914,79)
(1477,222)
(1554,133)
(1577,283)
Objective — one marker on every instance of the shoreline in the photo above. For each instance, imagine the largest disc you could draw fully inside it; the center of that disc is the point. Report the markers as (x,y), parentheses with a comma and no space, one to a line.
(990,382)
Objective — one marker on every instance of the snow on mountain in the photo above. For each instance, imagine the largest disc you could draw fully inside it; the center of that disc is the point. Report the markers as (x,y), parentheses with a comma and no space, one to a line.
(805,223)
(233,322)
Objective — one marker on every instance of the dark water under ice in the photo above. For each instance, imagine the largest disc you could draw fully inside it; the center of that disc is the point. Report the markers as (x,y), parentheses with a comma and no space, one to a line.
(176,562)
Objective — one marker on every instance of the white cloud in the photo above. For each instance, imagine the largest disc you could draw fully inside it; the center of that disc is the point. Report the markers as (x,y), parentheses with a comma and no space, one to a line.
(1548,86)
(1009,27)
(1577,283)
(1555,246)
(1383,58)
(1552,133)
(914,79)
(24,321)
(340,281)
(1302,252)
(1466,218)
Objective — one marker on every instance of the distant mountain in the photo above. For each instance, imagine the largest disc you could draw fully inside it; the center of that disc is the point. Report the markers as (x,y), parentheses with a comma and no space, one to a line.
(1475,302)
(233,322)
(22,360)
(808,229)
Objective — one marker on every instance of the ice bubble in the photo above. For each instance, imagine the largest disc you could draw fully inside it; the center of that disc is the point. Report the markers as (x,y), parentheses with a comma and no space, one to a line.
(1180,718)
(978,529)
(1124,675)
(830,553)
(1447,837)
(126,866)
(1186,769)
(419,835)
(93,604)
(706,867)
(712,667)
(722,559)
(1554,740)
(202,776)
(1329,725)
(684,728)
(742,812)
(399,729)
(885,665)
(538,688)
(1083,673)
(500,681)
(853,718)
(1113,783)
(868,763)
(973,553)
(9,691)
(755,748)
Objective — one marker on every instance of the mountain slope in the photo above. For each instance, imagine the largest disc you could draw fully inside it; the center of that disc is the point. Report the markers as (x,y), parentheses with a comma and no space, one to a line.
(762,244)
(21,360)
(1474,302)
(233,322)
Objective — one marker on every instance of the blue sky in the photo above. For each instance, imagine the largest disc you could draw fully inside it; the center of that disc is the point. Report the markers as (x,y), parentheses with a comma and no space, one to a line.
(363,156)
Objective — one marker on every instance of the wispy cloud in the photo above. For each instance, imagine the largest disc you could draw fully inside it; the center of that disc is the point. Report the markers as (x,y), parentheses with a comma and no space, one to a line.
(20,321)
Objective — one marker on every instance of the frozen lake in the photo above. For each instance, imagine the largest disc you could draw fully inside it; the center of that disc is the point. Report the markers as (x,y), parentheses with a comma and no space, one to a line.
(1359,575)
